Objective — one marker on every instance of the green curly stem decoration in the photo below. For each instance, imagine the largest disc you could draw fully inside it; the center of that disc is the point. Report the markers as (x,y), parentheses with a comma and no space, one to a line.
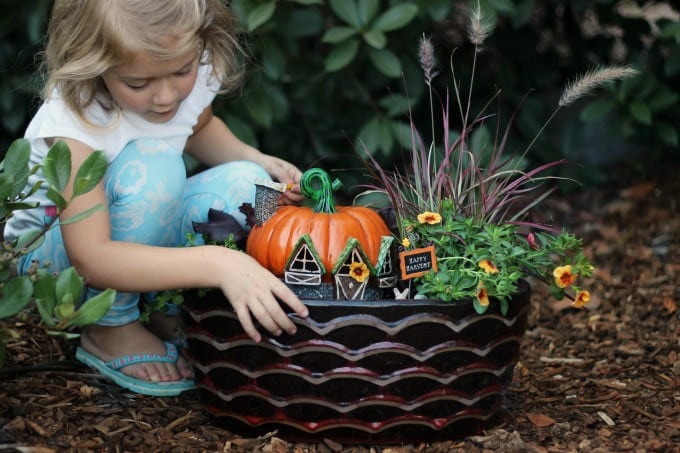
(322,192)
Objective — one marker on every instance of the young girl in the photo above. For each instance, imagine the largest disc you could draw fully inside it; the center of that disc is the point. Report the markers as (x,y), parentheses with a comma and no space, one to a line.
(135,79)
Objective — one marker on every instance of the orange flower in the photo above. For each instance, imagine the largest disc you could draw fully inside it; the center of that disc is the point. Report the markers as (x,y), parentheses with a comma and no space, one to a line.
(431,218)
(482,295)
(488,266)
(359,271)
(563,276)
(581,299)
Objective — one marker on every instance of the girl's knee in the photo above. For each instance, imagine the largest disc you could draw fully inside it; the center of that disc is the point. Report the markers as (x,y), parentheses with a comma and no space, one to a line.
(223,188)
(230,173)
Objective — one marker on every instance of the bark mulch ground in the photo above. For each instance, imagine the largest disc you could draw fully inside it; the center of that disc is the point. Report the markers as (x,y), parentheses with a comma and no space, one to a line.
(603,380)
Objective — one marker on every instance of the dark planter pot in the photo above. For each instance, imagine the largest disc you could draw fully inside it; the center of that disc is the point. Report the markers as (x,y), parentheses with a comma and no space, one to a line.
(382,371)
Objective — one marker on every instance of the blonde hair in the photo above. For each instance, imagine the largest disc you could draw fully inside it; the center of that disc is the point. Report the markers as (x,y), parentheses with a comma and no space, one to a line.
(85,38)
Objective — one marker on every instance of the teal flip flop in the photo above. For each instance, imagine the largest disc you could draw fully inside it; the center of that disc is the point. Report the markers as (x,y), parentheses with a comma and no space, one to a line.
(111,370)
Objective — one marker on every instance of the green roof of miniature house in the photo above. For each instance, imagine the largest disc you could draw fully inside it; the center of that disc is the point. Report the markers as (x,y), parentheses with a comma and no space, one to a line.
(306,239)
(384,252)
(350,245)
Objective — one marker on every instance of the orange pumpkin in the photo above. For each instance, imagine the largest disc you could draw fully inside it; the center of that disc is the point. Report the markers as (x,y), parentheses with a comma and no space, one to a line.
(329,227)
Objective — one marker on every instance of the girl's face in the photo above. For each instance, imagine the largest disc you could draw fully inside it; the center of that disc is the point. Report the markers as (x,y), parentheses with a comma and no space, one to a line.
(151,87)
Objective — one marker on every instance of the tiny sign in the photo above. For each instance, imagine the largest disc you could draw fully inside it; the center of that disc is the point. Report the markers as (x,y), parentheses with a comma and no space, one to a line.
(415,263)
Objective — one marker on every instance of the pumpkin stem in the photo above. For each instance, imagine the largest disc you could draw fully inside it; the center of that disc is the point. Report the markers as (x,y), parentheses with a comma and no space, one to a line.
(322,192)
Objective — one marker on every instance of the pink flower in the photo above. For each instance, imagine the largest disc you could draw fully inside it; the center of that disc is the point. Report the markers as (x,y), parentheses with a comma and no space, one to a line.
(51,211)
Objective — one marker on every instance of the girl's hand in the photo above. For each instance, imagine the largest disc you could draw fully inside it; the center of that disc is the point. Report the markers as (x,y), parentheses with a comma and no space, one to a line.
(254,291)
(287,173)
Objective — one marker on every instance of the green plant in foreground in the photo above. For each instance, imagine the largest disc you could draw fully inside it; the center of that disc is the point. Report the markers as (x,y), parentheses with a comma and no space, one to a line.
(57,296)
(472,200)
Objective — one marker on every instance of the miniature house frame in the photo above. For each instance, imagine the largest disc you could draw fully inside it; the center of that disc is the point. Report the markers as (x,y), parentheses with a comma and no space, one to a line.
(305,267)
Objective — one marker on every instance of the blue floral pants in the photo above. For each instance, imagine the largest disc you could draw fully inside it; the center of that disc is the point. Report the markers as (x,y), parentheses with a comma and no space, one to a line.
(151,201)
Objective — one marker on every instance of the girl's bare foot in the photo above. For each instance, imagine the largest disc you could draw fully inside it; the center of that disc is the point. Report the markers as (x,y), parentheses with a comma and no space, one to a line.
(111,342)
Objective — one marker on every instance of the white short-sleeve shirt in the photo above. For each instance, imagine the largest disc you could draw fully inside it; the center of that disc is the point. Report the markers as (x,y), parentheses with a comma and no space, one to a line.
(55,119)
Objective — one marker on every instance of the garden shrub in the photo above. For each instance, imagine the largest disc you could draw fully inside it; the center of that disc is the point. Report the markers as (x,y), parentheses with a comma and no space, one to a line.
(330,77)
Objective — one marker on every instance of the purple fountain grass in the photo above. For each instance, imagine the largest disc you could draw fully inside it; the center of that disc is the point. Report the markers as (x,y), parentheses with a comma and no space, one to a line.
(474,205)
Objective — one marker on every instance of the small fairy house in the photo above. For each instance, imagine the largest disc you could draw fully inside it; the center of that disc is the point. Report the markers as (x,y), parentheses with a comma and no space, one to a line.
(347,250)
(304,266)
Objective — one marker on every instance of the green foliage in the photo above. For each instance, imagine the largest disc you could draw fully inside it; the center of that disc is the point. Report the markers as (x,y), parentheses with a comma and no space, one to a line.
(57,297)
(461,244)
(332,76)
(337,76)
(22,27)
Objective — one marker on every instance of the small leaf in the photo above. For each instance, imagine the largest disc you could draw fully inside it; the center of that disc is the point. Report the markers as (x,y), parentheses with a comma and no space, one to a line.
(56,197)
(260,14)
(395,104)
(28,238)
(274,61)
(367,10)
(93,309)
(69,286)
(503,6)
(302,23)
(16,296)
(640,112)
(341,55)
(82,215)
(663,99)
(258,106)
(64,311)
(401,130)
(17,157)
(90,173)
(45,296)
(375,38)
(242,129)
(57,166)
(667,133)
(479,308)
(336,34)
(523,13)
(386,62)
(540,420)
(376,134)
(596,109)
(396,17)
(375,199)
(348,11)
(6,186)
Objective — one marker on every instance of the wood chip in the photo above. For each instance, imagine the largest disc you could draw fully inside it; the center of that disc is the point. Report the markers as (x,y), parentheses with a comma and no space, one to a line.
(607,419)
(562,360)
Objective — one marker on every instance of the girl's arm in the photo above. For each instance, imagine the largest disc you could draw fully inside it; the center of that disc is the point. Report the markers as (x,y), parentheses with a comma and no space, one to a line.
(213,143)
(130,267)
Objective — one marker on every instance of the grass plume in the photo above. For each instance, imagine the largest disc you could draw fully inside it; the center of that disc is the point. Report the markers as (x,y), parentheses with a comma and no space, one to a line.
(593,79)
(478,28)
